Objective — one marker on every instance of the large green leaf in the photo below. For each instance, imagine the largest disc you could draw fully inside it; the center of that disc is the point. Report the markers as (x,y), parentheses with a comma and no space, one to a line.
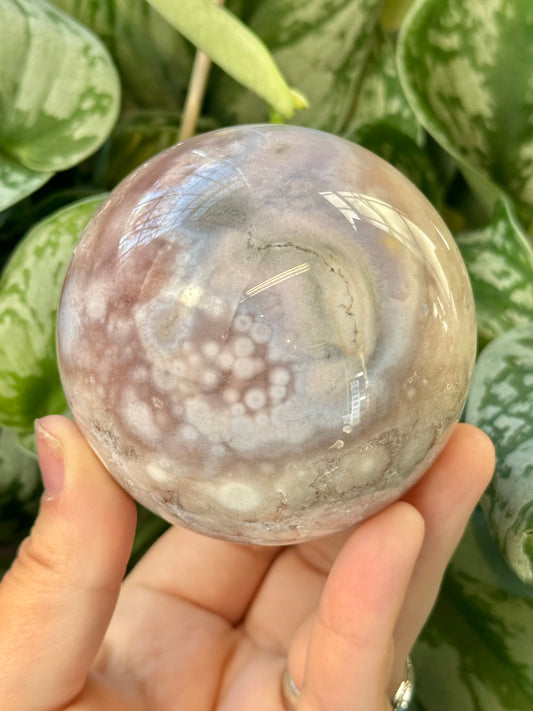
(29,296)
(499,260)
(232,45)
(17,181)
(476,652)
(393,14)
(380,98)
(154,61)
(19,218)
(383,122)
(323,47)
(500,404)
(466,67)
(59,95)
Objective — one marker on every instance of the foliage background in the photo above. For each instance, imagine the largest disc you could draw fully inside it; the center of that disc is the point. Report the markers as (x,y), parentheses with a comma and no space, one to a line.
(443,89)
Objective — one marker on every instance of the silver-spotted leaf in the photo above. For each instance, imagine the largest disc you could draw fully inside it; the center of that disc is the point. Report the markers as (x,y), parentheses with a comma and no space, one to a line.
(154,61)
(380,98)
(17,181)
(59,92)
(29,296)
(499,260)
(466,67)
(321,46)
(476,651)
(234,48)
(500,403)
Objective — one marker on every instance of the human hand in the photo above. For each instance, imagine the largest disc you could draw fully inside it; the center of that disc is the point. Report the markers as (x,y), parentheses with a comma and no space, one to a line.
(202,624)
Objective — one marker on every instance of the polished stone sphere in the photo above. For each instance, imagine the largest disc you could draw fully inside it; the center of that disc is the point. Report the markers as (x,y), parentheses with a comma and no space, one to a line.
(266,334)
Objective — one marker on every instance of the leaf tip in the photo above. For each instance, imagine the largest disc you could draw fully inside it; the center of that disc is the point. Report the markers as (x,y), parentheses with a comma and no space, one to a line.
(294,101)
(299,100)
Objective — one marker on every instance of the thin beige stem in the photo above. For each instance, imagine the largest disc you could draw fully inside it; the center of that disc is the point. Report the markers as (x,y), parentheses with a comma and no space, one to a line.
(196,92)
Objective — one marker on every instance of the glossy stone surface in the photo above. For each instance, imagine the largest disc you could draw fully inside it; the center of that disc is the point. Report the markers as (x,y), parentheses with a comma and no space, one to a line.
(266,333)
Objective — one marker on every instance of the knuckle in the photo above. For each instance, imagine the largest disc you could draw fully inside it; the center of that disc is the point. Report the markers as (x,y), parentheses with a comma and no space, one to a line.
(39,560)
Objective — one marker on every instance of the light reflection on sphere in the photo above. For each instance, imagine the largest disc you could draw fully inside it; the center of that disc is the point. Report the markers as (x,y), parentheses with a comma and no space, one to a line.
(266,333)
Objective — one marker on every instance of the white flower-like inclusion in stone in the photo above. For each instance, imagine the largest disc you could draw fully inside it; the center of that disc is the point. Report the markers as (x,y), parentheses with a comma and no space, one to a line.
(266,333)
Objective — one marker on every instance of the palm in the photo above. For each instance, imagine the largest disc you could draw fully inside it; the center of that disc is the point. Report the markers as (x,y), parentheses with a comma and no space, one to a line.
(203,624)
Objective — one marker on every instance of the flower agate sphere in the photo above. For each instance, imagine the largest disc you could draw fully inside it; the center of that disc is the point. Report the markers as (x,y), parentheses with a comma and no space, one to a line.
(266,333)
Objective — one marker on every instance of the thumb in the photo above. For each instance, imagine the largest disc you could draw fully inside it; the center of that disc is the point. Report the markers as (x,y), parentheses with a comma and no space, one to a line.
(57,599)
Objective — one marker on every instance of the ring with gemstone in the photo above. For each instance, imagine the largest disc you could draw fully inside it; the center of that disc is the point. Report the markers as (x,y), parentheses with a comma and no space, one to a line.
(400,701)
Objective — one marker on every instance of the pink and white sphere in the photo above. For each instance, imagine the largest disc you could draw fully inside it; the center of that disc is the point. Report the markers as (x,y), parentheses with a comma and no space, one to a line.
(266,334)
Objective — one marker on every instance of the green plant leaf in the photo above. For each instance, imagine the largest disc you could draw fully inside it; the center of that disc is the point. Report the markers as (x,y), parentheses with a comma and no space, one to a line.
(17,181)
(380,99)
(233,47)
(500,404)
(321,46)
(19,218)
(499,260)
(383,122)
(59,94)
(476,651)
(29,296)
(154,61)
(466,68)
(393,14)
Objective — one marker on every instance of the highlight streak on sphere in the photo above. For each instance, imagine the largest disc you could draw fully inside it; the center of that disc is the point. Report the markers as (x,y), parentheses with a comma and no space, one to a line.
(266,333)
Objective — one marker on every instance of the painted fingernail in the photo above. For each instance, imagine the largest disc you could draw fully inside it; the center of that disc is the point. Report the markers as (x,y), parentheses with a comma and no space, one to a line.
(51,460)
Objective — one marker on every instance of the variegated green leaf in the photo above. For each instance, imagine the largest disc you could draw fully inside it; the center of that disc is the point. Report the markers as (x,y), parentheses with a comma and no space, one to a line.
(29,296)
(20,218)
(59,90)
(321,46)
(500,403)
(17,181)
(231,45)
(476,651)
(467,70)
(154,61)
(393,14)
(499,260)
(380,98)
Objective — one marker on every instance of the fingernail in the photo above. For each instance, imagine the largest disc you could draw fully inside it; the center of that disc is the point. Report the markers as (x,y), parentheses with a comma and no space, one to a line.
(50,451)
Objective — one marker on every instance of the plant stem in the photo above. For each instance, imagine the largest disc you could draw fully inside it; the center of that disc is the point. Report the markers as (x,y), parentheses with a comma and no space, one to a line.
(195,92)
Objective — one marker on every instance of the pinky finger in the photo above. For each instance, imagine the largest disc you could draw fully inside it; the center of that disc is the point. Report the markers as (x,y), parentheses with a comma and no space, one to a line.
(348,646)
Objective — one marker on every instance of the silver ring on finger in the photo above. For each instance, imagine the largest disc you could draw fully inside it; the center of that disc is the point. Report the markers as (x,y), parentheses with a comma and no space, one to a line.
(405,692)
(401,700)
